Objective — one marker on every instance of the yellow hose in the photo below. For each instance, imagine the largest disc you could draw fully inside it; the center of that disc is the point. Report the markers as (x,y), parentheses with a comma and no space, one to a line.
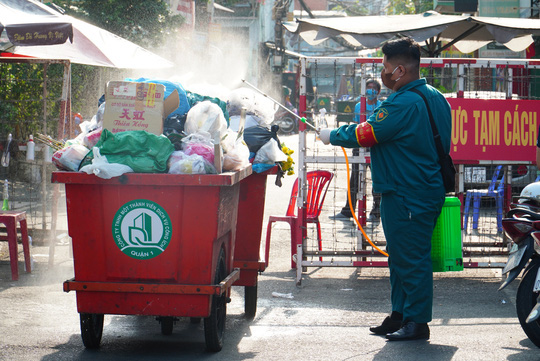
(351,206)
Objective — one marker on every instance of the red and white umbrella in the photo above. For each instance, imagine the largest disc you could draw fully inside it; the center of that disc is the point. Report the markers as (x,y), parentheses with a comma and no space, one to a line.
(29,28)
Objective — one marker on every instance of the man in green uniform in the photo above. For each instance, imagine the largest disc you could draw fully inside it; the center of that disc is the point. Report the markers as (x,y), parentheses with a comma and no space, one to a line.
(406,171)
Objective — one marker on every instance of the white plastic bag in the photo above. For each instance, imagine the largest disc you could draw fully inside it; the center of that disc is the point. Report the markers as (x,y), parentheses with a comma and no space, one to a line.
(251,121)
(69,158)
(90,139)
(199,143)
(208,117)
(102,168)
(270,153)
(181,163)
(96,122)
(256,104)
(237,156)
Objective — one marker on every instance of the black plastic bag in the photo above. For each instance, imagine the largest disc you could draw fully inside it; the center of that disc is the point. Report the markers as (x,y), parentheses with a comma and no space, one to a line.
(174,124)
(256,137)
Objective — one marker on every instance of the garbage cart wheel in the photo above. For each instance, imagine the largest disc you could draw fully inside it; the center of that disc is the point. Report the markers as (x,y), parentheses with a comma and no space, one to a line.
(91,329)
(214,325)
(167,324)
(250,302)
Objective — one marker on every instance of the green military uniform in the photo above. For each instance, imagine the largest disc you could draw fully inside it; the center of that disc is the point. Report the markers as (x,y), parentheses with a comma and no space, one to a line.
(405,170)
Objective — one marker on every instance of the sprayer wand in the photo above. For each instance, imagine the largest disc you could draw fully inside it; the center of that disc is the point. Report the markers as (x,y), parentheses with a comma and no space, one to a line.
(302,119)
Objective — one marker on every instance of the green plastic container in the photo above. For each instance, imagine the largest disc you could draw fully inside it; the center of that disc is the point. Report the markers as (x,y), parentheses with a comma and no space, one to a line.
(323,103)
(345,111)
(446,245)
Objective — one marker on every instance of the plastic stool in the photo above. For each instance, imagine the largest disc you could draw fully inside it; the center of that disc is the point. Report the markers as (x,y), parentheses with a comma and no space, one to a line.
(10,219)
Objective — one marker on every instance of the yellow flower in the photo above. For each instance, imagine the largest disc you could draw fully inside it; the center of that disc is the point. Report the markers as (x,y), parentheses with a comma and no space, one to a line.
(287,166)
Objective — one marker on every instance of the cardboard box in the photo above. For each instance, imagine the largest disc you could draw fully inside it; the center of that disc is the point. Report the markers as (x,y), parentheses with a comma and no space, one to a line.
(137,106)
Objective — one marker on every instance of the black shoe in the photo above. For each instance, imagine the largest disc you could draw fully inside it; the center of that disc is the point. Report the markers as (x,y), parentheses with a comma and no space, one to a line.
(341,216)
(410,331)
(388,326)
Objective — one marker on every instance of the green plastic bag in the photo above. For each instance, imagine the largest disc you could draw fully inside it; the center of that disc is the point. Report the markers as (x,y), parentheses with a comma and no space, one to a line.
(142,151)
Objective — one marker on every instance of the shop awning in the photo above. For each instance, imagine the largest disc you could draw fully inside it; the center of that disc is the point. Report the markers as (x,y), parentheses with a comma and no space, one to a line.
(33,27)
(467,33)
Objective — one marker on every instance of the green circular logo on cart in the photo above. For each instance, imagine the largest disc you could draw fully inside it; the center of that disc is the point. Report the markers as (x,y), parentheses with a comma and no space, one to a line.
(142,229)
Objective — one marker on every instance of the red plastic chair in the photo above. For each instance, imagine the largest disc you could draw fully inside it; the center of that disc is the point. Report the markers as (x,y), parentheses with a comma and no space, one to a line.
(318,182)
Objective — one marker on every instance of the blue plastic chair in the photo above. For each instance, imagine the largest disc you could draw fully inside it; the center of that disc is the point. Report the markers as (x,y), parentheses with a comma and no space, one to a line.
(494,191)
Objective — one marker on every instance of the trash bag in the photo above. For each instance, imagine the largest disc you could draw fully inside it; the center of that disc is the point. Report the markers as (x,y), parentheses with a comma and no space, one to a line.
(256,137)
(206,116)
(181,163)
(103,169)
(176,140)
(142,151)
(174,123)
(251,121)
(195,98)
(170,86)
(89,140)
(236,157)
(270,153)
(199,143)
(70,157)
(255,104)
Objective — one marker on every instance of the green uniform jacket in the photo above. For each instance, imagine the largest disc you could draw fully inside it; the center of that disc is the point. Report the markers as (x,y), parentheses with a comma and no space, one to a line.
(405,159)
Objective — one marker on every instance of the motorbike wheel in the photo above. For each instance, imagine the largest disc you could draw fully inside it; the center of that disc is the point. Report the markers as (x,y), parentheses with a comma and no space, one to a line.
(525,301)
(287,125)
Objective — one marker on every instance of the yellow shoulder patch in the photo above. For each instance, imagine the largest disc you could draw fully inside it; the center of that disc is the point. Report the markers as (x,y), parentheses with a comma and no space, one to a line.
(382,113)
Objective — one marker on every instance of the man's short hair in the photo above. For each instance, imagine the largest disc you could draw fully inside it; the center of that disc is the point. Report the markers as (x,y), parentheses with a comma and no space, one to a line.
(376,83)
(403,49)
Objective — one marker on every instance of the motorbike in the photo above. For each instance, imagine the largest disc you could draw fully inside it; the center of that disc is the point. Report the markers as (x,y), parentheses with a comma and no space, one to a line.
(522,226)
(288,124)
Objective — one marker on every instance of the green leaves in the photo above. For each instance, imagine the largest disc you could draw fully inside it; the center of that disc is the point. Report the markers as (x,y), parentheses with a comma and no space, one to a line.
(145,22)
(399,7)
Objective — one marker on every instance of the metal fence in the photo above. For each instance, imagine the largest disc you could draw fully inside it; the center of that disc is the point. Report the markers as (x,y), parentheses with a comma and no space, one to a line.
(337,84)
(37,97)
(33,100)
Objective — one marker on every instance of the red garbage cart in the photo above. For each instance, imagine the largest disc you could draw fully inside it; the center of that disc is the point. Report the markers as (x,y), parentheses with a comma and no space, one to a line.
(248,237)
(153,244)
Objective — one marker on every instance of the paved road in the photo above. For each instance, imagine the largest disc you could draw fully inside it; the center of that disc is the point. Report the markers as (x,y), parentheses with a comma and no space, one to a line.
(327,318)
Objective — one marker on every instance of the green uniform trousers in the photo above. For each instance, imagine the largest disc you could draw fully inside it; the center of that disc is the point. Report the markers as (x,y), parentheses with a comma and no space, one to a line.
(408,224)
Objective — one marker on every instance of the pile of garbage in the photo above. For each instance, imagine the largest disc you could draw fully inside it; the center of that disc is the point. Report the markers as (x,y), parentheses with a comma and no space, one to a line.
(156,126)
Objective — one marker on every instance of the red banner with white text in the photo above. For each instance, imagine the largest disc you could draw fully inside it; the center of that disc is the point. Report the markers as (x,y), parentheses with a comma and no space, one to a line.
(494,130)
